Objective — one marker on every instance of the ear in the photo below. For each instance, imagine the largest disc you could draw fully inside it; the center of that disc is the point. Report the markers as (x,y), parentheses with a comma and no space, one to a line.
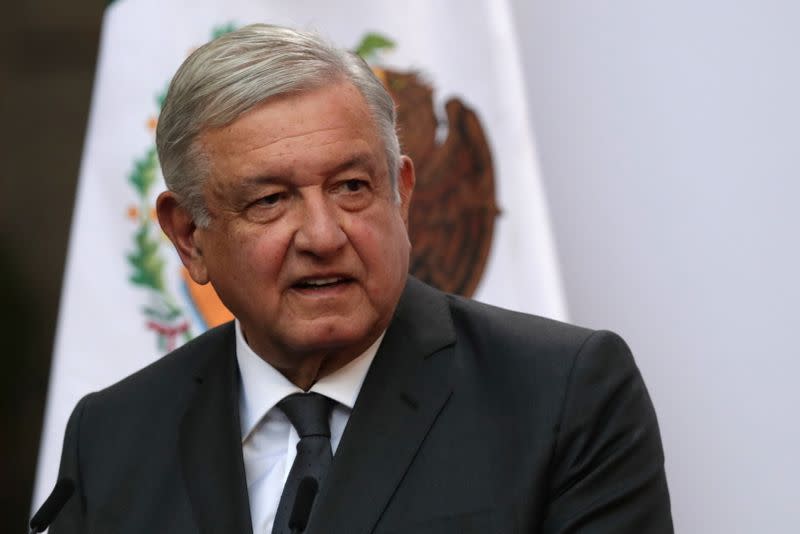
(405,185)
(178,224)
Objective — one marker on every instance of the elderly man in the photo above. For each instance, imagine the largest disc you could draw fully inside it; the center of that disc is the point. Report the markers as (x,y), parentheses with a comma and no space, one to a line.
(346,397)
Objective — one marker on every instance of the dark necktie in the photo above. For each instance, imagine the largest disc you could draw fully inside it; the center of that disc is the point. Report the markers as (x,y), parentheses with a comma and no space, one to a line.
(308,413)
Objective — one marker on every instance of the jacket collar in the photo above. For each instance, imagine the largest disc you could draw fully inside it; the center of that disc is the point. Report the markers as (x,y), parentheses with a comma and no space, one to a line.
(404,391)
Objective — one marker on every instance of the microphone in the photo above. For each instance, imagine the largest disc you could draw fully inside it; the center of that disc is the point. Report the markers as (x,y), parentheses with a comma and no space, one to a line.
(303,501)
(54,503)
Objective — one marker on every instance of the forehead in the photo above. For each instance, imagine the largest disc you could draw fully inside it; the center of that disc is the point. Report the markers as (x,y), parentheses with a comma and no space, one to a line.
(312,129)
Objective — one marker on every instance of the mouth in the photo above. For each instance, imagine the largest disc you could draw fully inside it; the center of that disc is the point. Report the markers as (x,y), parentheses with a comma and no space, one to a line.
(322,283)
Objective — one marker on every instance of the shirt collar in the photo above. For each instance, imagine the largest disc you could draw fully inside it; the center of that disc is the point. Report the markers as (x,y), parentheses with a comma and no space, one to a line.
(263,386)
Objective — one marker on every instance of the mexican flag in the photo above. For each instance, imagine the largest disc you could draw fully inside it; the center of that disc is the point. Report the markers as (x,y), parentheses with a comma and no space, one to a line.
(479,223)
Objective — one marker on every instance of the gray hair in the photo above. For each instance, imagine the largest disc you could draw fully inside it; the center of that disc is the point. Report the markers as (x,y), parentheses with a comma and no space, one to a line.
(232,74)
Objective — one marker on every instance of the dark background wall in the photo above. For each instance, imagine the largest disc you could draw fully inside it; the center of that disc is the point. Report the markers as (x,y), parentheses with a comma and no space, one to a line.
(47,56)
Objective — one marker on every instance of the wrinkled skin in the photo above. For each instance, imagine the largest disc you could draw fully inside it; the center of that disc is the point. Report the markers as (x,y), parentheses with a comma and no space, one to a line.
(306,246)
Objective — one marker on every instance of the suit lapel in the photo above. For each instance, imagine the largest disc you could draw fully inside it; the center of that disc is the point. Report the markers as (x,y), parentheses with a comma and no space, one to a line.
(405,389)
(210,443)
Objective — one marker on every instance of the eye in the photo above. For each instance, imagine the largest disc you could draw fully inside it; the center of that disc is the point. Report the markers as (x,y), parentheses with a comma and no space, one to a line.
(354,193)
(270,200)
(267,207)
(354,186)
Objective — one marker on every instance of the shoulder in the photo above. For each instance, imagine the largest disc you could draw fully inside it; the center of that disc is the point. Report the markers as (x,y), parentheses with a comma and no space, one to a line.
(501,338)
(512,329)
(535,353)
(510,334)
(168,380)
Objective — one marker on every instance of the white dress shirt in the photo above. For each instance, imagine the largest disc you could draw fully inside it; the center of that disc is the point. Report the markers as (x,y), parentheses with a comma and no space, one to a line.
(269,441)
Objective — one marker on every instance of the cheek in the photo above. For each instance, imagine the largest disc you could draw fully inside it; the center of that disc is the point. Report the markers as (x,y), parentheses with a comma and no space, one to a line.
(257,254)
(384,247)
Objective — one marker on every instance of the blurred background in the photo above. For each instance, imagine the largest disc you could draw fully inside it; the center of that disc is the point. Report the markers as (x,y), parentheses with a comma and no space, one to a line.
(668,141)
(47,56)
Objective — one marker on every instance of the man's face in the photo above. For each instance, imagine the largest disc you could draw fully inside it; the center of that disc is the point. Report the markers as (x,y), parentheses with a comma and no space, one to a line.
(307,246)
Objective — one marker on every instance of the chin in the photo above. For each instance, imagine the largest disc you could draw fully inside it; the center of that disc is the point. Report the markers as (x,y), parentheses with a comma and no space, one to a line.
(334,336)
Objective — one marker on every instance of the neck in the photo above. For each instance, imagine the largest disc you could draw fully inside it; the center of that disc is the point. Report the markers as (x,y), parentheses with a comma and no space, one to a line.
(307,368)
(308,372)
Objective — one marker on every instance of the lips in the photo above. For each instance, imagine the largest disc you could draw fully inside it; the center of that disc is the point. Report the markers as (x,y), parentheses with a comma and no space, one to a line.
(321,282)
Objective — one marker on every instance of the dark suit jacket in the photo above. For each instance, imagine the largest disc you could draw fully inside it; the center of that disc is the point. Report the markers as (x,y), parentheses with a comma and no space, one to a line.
(471,419)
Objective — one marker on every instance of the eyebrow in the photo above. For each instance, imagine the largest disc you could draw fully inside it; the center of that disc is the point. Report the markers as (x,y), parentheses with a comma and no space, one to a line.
(360,160)
(363,160)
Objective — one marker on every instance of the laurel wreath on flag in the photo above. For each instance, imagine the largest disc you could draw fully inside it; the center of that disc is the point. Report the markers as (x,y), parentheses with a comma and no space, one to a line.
(164,315)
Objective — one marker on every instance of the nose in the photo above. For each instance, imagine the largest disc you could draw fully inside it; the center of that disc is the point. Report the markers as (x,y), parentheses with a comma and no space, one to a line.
(320,232)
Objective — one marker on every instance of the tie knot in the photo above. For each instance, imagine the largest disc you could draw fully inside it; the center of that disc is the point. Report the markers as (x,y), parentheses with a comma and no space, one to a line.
(308,413)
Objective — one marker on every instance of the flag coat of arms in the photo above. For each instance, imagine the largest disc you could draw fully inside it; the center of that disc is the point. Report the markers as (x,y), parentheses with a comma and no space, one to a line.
(479,222)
